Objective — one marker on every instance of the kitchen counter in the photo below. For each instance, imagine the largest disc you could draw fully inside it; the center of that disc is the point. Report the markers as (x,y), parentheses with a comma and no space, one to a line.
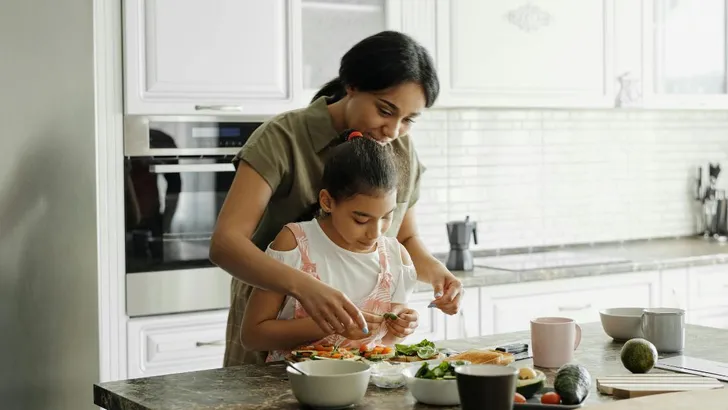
(638,255)
(266,386)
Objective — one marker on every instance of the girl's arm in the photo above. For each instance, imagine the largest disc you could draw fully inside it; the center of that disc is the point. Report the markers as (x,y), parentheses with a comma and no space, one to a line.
(262,330)
(406,323)
(233,250)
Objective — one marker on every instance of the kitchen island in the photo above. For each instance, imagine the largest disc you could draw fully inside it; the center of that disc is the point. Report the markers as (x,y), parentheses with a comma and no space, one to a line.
(266,386)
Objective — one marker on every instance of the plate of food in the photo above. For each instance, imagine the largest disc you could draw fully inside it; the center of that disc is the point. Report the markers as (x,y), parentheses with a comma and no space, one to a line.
(377,353)
(424,350)
(322,352)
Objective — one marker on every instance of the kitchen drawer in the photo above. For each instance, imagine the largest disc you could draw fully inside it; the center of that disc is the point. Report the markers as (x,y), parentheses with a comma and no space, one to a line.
(176,343)
(708,286)
(510,308)
(431,323)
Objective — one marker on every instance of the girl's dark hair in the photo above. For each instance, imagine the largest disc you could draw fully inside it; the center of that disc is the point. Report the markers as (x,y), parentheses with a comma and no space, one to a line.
(360,166)
(381,61)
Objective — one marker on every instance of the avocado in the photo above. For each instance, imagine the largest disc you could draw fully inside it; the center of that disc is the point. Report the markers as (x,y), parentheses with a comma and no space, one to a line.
(638,355)
(531,385)
(572,383)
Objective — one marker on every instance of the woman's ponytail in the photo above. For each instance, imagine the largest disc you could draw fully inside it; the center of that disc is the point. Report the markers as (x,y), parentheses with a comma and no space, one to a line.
(334,89)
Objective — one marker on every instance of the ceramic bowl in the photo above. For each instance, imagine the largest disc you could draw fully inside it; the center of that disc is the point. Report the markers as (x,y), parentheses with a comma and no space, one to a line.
(432,392)
(330,383)
(622,323)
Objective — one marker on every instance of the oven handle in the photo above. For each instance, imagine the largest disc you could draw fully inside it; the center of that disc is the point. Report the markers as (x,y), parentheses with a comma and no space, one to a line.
(179,168)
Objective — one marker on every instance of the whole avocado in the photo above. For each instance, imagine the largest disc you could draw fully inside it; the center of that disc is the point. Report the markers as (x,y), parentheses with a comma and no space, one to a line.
(572,383)
(638,355)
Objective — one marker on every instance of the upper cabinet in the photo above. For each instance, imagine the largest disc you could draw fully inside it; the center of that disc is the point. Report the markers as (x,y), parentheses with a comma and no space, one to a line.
(330,28)
(210,57)
(685,54)
(515,53)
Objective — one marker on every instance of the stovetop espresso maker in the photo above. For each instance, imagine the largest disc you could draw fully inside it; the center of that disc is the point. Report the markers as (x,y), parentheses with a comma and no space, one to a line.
(459,234)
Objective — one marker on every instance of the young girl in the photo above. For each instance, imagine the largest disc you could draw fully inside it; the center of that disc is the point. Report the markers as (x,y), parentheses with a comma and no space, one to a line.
(345,248)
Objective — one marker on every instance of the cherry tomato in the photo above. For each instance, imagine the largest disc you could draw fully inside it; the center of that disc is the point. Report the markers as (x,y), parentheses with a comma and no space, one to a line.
(519,398)
(551,398)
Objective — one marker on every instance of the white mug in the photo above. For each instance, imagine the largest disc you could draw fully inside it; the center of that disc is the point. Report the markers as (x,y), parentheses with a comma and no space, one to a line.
(553,341)
(665,328)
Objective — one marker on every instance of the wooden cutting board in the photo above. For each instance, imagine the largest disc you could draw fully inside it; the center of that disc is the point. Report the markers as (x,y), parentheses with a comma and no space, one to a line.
(637,385)
(688,400)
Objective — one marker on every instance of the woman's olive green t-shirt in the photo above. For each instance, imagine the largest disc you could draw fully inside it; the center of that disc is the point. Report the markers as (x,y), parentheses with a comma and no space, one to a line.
(289,152)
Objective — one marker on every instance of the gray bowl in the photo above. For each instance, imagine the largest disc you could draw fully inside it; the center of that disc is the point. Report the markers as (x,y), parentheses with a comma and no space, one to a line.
(622,323)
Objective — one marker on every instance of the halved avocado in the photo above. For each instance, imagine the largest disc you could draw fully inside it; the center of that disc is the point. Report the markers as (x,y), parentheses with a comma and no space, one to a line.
(529,387)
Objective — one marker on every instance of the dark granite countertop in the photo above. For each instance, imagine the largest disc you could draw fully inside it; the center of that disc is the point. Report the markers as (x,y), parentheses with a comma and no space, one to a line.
(640,256)
(266,386)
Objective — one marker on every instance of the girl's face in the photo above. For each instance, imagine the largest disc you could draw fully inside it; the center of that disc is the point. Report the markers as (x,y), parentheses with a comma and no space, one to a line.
(359,221)
(387,114)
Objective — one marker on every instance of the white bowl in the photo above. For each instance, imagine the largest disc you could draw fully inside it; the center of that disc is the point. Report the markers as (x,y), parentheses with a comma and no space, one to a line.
(432,392)
(622,323)
(331,383)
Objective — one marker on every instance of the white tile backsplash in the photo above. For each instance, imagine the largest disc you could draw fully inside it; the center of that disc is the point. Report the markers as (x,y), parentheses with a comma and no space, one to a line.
(549,177)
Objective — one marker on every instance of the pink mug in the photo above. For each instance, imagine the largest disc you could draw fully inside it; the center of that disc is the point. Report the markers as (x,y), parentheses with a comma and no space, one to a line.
(553,341)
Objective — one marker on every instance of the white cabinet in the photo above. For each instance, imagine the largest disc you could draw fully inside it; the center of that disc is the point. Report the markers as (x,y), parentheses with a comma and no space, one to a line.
(431,323)
(708,287)
(175,343)
(211,57)
(673,288)
(712,317)
(550,53)
(466,323)
(510,308)
(331,27)
(685,52)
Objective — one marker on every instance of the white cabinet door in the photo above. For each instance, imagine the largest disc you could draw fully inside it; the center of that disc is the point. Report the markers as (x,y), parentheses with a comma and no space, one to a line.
(712,317)
(465,323)
(708,286)
(176,343)
(674,288)
(431,323)
(550,53)
(510,308)
(331,27)
(210,57)
(685,52)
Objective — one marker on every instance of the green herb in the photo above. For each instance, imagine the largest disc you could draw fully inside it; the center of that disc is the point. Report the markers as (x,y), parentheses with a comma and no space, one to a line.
(412,350)
(389,315)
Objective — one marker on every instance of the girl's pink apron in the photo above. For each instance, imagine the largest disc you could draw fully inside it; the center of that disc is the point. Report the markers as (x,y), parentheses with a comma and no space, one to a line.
(378,302)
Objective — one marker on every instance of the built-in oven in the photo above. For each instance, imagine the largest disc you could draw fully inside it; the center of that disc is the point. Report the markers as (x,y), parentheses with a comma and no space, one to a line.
(178,171)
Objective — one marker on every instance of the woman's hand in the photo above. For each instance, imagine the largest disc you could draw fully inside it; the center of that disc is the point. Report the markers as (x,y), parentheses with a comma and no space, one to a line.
(374,322)
(331,309)
(405,324)
(448,289)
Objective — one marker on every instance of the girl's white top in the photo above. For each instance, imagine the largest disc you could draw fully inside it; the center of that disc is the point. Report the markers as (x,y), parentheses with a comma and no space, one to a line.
(354,274)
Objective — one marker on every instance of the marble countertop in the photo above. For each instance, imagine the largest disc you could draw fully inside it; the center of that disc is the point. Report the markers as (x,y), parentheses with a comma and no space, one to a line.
(640,255)
(266,386)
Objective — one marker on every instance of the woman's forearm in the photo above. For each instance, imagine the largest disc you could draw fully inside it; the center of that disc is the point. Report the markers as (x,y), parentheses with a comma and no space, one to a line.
(237,255)
(421,257)
(278,334)
(390,340)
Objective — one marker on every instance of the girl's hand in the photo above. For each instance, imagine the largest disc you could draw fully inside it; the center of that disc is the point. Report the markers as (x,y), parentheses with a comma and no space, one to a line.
(374,323)
(405,324)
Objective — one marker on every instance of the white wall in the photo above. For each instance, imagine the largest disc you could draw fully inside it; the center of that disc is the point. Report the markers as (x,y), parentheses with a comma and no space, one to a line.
(48,283)
(535,177)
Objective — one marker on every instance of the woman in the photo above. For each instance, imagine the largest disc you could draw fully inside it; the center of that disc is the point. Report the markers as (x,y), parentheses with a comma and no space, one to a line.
(384,82)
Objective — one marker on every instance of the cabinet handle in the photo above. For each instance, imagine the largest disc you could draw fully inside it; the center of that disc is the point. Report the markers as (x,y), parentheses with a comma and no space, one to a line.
(462,324)
(213,343)
(218,108)
(574,308)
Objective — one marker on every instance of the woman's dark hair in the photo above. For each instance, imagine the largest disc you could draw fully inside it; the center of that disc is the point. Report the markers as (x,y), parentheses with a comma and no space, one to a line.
(360,166)
(381,61)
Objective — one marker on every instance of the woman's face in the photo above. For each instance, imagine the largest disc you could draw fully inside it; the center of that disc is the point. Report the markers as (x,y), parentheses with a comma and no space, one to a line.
(384,115)
(360,220)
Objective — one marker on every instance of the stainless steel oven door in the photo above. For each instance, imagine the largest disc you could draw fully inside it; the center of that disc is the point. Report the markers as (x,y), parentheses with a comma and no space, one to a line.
(177,291)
